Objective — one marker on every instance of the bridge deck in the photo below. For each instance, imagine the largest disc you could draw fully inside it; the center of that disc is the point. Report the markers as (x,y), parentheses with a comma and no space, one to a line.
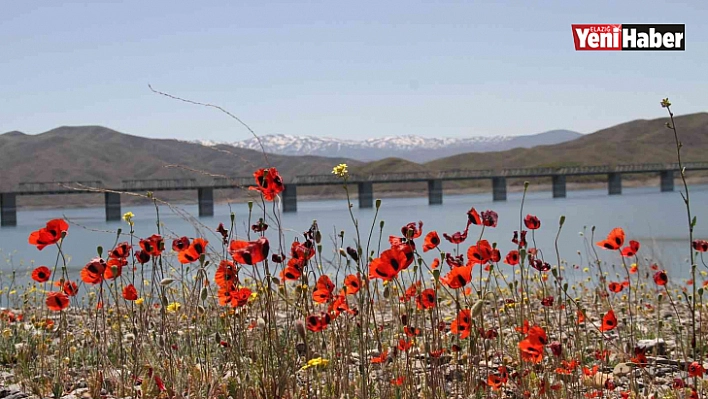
(96,186)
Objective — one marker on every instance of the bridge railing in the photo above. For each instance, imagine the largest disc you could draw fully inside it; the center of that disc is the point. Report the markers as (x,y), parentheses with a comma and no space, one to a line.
(238,181)
(59,186)
(158,184)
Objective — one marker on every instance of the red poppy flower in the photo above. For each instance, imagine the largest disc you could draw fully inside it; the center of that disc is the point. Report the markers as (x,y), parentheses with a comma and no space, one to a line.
(302,251)
(249,252)
(398,381)
(323,290)
(404,345)
(537,335)
(41,274)
(614,240)
(114,268)
(316,323)
(93,272)
(547,301)
(512,258)
(435,264)
(224,233)
(521,242)
(121,250)
(432,240)
(239,297)
(48,235)
(352,283)
(388,265)
(293,270)
(70,288)
(130,293)
(259,227)
(609,321)
(631,250)
(459,237)
(615,287)
(530,351)
(538,264)
(427,299)
(695,369)
(496,256)
(411,231)
(480,253)
(193,251)
(489,218)
(153,245)
(457,277)
(380,358)
(411,331)
(226,274)
(660,278)
(581,316)
(142,257)
(408,249)
(57,301)
(532,222)
(268,182)
(462,325)
(700,245)
(640,357)
(410,292)
(495,381)
(180,244)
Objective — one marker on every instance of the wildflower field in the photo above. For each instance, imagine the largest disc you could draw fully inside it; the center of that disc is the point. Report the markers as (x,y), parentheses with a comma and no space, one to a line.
(423,314)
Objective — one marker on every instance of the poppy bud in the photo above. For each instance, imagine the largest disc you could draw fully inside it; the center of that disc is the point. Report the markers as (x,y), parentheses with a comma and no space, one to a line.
(353,254)
(378,203)
(477,308)
(99,249)
(300,329)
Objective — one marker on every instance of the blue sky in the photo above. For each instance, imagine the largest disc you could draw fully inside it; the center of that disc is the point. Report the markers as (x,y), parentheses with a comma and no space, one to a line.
(354,69)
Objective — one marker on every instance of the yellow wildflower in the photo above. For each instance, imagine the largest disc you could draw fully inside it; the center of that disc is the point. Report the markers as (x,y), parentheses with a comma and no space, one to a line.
(139,301)
(173,307)
(128,217)
(340,170)
(318,361)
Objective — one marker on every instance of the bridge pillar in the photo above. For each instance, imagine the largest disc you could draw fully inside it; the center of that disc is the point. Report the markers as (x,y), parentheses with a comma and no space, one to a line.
(366,194)
(290,198)
(8,209)
(112,207)
(667,180)
(499,188)
(435,192)
(559,186)
(614,183)
(205,196)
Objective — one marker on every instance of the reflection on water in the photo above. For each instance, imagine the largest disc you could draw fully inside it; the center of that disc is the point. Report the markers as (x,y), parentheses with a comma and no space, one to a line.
(655,219)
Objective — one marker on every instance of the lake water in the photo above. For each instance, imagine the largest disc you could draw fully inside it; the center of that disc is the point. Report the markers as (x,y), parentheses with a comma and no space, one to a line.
(657,220)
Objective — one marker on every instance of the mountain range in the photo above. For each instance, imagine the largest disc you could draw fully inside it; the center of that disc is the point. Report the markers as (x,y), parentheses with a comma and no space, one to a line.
(408,147)
(73,153)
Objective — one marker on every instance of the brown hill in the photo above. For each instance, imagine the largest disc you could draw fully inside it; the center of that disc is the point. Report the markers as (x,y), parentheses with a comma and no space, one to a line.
(639,141)
(98,153)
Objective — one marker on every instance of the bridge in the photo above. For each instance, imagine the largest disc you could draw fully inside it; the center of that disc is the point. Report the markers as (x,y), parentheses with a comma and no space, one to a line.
(205,187)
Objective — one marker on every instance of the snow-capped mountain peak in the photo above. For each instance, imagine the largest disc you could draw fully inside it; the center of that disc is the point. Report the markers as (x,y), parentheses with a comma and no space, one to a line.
(414,148)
